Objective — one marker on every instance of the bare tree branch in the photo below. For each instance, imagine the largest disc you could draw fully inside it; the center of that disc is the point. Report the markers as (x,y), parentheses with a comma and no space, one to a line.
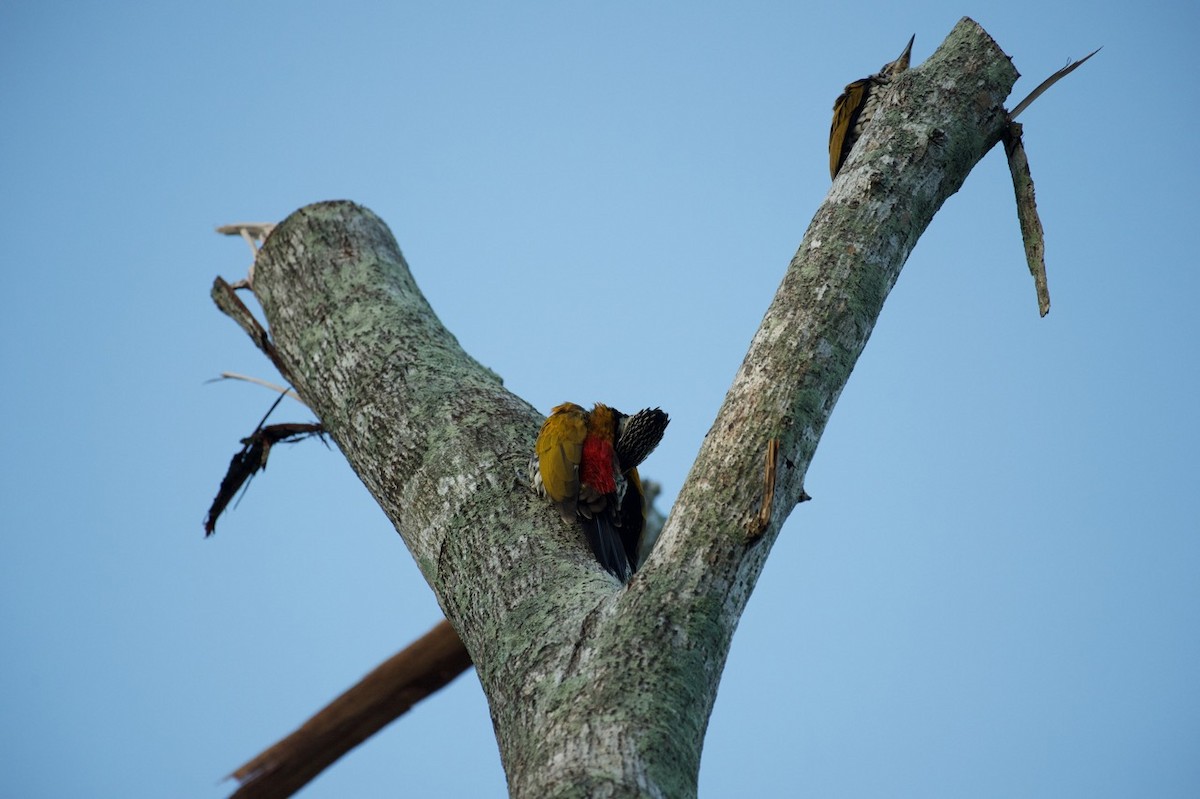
(425,666)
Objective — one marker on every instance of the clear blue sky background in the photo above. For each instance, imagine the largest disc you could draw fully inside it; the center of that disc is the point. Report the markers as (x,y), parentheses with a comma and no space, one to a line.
(994,593)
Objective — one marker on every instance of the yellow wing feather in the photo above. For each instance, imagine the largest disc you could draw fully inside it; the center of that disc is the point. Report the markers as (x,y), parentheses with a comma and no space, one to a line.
(559,450)
(845,107)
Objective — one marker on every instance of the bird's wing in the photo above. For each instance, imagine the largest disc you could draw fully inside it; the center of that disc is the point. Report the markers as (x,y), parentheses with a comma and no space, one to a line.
(559,450)
(845,108)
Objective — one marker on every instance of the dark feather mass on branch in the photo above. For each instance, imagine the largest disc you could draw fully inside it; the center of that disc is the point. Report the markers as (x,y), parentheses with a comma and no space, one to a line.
(251,459)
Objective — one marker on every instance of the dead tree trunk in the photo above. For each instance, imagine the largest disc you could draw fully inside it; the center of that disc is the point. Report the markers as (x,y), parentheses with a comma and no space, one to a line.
(595,689)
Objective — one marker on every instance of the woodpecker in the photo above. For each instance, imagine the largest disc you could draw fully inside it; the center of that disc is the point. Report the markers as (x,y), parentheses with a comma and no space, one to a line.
(854,108)
(586,463)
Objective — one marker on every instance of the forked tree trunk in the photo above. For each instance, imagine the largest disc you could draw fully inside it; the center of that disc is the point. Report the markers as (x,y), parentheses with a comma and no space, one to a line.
(595,689)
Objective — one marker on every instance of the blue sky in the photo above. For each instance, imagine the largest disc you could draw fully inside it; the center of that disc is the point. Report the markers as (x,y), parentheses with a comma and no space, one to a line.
(996,589)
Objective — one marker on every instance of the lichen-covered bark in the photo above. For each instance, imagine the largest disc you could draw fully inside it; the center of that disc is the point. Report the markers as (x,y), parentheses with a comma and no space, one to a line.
(597,690)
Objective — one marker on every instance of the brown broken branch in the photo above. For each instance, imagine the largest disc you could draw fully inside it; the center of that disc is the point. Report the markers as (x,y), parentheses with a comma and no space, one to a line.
(425,666)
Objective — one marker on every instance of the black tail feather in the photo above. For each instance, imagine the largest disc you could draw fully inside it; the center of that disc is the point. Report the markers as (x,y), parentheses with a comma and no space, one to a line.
(606,545)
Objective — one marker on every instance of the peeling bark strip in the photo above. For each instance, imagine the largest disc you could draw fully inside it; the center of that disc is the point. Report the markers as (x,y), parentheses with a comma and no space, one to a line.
(233,307)
(763,519)
(1032,234)
(437,440)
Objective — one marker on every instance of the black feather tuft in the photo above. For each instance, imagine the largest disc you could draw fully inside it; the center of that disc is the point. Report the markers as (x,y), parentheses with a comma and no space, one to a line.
(638,435)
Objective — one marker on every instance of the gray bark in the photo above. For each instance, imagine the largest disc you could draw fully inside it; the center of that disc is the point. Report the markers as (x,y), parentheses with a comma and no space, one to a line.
(595,689)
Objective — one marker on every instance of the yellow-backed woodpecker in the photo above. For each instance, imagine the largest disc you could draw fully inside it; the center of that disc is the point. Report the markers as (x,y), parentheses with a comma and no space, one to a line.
(855,107)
